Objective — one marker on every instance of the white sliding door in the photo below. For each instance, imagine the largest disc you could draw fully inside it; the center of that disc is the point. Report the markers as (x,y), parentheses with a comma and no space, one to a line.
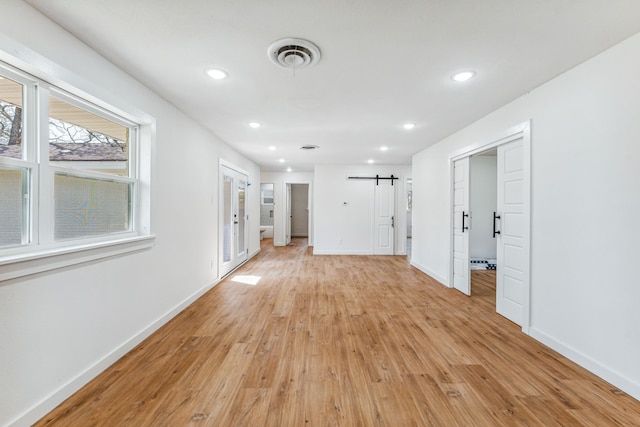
(233,219)
(461,278)
(512,251)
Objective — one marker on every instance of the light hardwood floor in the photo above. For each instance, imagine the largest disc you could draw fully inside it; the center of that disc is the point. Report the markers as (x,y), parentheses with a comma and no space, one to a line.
(348,341)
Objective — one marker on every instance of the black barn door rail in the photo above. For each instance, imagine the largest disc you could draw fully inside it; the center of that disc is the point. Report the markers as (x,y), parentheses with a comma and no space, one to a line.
(377,178)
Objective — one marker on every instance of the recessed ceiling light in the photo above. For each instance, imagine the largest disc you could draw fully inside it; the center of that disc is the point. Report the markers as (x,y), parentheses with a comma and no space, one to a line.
(384,148)
(409,126)
(217,74)
(463,76)
(289,169)
(281,160)
(272,148)
(254,125)
(370,161)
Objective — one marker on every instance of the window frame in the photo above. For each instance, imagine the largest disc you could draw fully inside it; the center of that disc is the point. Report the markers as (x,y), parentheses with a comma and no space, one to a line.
(40,251)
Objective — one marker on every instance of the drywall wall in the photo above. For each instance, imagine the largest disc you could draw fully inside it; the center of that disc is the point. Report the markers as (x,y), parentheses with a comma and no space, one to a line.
(62,327)
(584,179)
(344,208)
(280,180)
(483,198)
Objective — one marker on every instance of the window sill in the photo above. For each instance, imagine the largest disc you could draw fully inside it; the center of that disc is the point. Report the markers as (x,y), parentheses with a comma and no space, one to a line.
(15,266)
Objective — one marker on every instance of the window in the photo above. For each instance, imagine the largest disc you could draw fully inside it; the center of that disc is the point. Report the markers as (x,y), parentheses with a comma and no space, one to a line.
(68,171)
(90,159)
(266,194)
(15,170)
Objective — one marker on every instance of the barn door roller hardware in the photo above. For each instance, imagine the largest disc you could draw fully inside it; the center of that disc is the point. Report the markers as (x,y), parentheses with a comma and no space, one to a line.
(377,178)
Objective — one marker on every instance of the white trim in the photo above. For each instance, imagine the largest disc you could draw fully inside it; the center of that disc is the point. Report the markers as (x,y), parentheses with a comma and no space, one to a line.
(310,207)
(508,135)
(43,407)
(341,252)
(230,165)
(33,262)
(91,165)
(612,376)
(438,278)
(254,253)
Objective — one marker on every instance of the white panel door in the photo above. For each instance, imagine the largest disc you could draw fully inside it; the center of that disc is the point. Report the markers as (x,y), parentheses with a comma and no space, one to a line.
(233,219)
(511,253)
(383,221)
(460,270)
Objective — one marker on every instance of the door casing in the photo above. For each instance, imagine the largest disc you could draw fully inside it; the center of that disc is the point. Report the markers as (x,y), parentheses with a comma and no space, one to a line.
(522,130)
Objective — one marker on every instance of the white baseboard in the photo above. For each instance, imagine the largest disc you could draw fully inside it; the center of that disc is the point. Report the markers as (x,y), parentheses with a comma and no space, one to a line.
(441,279)
(339,252)
(254,253)
(612,376)
(46,405)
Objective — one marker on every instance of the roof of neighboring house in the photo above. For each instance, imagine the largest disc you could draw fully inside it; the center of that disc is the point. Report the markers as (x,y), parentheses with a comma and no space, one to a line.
(93,152)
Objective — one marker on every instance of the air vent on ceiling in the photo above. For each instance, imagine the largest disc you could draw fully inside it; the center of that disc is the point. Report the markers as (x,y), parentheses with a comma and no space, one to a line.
(309,147)
(293,53)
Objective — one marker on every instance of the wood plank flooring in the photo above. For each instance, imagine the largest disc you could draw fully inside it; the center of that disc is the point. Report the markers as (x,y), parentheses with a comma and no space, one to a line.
(343,341)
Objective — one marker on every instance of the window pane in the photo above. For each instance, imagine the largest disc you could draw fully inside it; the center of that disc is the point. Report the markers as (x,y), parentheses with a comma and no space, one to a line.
(10,118)
(227,221)
(13,207)
(90,207)
(241,216)
(83,140)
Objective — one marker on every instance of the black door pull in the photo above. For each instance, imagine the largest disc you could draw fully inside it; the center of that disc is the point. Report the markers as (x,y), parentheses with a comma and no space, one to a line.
(494,224)
(464,215)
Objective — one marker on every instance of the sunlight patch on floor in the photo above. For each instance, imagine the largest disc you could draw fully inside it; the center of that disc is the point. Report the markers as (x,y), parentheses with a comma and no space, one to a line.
(247,280)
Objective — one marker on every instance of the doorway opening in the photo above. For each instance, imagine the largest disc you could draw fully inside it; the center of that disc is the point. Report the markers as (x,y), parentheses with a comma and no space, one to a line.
(491,210)
(267,204)
(298,212)
(483,198)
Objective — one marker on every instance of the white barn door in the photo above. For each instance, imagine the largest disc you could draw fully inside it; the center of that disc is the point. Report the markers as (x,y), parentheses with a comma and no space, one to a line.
(460,273)
(384,202)
(511,251)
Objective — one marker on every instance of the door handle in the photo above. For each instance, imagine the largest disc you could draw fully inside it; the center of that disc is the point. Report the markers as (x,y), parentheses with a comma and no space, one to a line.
(494,225)
(464,215)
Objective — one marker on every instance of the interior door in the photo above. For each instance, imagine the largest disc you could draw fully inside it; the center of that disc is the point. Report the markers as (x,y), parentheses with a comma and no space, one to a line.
(384,217)
(511,254)
(289,215)
(461,216)
(233,219)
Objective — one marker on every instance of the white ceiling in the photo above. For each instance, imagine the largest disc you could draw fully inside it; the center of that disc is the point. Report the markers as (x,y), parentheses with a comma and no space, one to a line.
(384,63)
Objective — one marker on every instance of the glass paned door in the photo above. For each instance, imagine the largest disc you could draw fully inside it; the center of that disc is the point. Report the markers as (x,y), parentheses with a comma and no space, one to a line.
(233,219)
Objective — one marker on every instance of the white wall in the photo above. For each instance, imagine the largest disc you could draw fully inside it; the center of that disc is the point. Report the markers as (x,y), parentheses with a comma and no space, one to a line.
(280,180)
(585,174)
(483,196)
(61,328)
(348,228)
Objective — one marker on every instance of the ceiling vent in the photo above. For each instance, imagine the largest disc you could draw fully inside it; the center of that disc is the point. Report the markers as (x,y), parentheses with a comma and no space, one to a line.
(293,53)
(309,147)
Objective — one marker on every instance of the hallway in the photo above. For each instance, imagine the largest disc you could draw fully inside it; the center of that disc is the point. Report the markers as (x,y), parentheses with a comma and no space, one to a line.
(292,339)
